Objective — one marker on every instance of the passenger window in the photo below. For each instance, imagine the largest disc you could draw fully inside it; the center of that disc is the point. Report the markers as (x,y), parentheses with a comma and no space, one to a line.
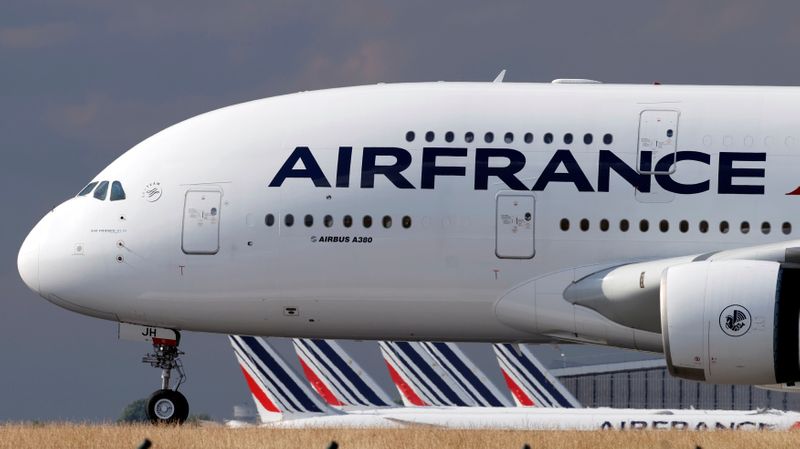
(406,222)
(787,227)
(367,221)
(288,220)
(528,137)
(604,225)
(509,137)
(86,190)
(745,227)
(449,136)
(488,137)
(387,221)
(765,227)
(703,226)
(117,192)
(624,225)
(568,138)
(723,227)
(327,221)
(587,139)
(429,136)
(663,226)
(564,225)
(684,226)
(584,225)
(309,221)
(101,191)
(269,220)
(607,139)
(410,136)
(644,225)
(469,137)
(347,221)
(548,138)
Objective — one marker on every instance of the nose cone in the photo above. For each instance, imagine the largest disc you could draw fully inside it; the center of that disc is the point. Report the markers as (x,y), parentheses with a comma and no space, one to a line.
(28,258)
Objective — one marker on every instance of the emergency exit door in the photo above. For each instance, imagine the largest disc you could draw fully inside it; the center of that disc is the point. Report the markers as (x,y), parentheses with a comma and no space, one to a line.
(658,142)
(514,226)
(201,213)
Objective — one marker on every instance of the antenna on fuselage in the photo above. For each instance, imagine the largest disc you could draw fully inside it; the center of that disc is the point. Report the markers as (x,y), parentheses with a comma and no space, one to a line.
(500,76)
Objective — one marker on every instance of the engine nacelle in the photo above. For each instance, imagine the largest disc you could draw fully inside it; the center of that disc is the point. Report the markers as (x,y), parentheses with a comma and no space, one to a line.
(732,321)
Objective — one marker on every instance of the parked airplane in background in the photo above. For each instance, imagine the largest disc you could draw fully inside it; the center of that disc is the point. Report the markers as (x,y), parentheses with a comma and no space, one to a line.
(428,373)
(652,217)
(529,382)
(283,401)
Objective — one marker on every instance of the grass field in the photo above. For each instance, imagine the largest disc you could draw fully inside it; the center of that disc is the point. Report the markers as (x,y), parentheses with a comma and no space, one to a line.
(77,436)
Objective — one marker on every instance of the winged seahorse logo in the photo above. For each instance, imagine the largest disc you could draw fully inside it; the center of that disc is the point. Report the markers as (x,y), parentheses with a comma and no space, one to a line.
(735,321)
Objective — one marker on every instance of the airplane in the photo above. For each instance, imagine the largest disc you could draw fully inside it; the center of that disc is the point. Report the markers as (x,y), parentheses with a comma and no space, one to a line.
(437,373)
(283,401)
(651,217)
(424,373)
(336,377)
(529,382)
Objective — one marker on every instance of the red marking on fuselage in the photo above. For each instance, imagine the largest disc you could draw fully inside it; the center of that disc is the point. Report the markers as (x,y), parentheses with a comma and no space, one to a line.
(522,398)
(795,191)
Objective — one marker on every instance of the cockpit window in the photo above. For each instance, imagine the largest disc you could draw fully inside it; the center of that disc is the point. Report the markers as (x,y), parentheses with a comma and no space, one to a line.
(100,192)
(86,190)
(117,192)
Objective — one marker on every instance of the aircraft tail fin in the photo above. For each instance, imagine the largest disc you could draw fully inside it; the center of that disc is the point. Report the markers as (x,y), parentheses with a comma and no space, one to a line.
(419,379)
(277,391)
(338,378)
(530,383)
(466,374)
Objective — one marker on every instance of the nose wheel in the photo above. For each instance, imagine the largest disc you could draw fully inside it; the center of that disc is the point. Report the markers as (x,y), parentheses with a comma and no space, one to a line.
(167,406)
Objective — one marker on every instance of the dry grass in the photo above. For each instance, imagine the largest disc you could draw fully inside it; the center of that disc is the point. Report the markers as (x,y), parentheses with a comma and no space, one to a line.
(68,436)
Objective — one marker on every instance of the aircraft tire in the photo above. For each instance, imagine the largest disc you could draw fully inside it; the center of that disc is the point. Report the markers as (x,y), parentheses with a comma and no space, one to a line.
(167,407)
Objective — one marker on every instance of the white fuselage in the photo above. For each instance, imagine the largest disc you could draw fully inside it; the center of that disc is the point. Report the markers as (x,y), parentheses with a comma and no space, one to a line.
(445,276)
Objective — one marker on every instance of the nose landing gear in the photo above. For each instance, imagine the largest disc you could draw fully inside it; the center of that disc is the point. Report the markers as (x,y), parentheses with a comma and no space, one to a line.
(167,406)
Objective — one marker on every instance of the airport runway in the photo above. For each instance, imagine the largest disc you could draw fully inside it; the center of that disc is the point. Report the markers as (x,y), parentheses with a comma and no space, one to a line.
(88,436)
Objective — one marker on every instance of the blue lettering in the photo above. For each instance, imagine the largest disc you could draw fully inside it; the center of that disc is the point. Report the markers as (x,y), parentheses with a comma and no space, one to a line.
(516,162)
(673,186)
(574,173)
(369,167)
(727,172)
(311,171)
(430,170)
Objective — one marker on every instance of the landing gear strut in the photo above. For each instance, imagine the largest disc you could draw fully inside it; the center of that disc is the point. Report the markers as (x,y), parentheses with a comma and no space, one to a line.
(167,406)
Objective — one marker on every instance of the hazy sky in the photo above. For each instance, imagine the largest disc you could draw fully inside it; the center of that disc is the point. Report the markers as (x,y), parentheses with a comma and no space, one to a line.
(83,81)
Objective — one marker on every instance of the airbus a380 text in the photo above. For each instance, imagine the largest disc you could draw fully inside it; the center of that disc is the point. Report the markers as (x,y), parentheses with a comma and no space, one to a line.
(660,218)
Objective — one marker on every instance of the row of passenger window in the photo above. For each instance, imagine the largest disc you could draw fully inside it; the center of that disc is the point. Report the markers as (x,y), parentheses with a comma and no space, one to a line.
(328,221)
(508,137)
(683,226)
(101,190)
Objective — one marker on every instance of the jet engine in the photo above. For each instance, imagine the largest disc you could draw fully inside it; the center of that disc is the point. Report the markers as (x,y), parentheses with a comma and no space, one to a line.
(732,321)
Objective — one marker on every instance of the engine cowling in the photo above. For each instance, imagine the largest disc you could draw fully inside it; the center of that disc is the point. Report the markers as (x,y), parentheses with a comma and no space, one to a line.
(732,321)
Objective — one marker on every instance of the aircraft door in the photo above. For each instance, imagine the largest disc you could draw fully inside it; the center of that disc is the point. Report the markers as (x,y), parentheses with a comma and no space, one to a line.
(201,214)
(514,229)
(656,152)
(658,141)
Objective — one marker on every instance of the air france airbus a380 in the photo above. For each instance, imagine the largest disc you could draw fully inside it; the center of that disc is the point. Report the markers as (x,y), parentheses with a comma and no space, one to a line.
(659,218)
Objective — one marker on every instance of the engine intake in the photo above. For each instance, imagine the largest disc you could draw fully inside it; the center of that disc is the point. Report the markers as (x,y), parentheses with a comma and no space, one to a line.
(732,321)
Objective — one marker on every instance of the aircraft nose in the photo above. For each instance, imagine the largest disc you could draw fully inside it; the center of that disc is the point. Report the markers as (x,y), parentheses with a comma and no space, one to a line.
(28,257)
